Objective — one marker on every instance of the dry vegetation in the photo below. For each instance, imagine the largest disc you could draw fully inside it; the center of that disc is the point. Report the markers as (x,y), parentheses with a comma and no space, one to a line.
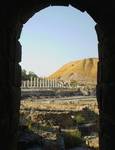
(82,71)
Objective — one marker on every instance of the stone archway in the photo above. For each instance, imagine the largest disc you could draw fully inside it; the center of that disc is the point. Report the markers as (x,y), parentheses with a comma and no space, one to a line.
(13,16)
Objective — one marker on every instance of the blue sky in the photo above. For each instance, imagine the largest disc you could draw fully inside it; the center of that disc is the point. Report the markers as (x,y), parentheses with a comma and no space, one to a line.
(55,36)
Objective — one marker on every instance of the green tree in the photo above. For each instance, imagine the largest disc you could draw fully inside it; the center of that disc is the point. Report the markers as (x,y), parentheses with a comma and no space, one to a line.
(31,74)
(26,76)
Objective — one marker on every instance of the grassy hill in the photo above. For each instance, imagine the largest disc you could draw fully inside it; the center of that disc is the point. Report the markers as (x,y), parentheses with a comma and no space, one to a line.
(82,71)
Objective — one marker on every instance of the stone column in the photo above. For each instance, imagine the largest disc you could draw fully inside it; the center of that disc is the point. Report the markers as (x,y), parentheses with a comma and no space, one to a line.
(57,84)
(31,82)
(45,82)
(37,82)
(34,82)
(40,82)
(54,83)
(106,86)
(60,84)
(28,83)
(51,81)
(69,85)
(48,83)
(24,84)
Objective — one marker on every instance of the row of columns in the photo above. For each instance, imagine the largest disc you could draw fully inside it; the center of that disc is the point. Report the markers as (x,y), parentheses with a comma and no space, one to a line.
(44,83)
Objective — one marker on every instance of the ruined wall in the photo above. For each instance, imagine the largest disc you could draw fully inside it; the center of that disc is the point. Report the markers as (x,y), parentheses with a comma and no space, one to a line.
(106,86)
(10,76)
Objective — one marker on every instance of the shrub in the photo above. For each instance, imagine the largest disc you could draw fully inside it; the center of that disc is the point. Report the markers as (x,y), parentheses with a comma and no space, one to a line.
(79,119)
(72,139)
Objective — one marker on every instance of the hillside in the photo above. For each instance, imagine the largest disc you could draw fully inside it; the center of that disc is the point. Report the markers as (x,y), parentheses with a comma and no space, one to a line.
(82,71)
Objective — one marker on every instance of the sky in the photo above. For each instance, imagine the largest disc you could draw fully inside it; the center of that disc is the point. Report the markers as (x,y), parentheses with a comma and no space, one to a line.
(55,36)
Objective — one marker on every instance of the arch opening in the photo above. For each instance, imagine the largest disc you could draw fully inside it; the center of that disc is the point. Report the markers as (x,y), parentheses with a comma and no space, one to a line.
(33,84)
(13,17)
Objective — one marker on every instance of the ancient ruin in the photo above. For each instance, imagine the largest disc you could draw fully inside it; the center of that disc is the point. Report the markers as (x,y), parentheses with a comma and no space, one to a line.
(13,15)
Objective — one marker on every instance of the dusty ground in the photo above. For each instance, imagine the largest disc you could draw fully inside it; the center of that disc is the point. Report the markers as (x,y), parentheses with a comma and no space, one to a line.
(60,104)
(48,108)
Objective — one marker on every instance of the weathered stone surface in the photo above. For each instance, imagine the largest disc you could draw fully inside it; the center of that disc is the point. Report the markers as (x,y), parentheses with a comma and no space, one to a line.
(15,74)
(59,2)
(105,88)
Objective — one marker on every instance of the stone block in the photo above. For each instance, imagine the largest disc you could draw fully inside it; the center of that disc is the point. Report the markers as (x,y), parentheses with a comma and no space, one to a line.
(99,95)
(100,33)
(106,50)
(100,52)
(15,74)
(59,2)
(108,102)
(18,30)
(15,51)
(3,44)
(108,71)
(78,4)
(99,74)
(15,94)
(31,8)
(4,100)
(4,128)
(18,52)
(107,128)
(4,72)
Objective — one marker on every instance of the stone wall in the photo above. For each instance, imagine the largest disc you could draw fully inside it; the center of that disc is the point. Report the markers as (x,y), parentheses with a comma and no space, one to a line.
(10,56)
(106,86)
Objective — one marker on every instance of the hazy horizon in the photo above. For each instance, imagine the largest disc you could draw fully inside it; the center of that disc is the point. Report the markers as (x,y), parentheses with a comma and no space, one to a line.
(56,36)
